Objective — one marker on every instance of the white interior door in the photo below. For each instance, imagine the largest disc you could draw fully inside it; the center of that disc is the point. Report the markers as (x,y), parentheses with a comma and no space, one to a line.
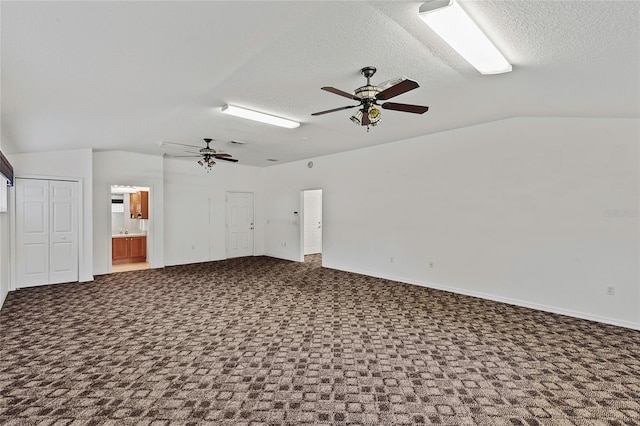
(32,232)
(240,224)
(312,221)
(46,232)
(63,250)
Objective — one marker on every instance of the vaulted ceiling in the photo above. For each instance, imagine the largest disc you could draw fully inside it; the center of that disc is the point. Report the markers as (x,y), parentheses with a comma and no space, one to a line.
(128,75)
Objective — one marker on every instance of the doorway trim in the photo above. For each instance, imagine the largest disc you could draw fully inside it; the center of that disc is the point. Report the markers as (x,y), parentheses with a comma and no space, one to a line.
(150,230)
(301,222)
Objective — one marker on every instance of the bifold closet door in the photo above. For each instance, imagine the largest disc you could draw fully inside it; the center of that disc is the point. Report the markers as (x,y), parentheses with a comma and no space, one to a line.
(46,232)
(63,237)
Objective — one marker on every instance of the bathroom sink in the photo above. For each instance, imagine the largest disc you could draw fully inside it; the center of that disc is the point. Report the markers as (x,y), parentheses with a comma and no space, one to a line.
(130,234)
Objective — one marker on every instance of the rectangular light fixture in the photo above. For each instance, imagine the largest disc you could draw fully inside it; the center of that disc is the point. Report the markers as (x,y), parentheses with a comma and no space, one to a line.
(259,116)
(454,26)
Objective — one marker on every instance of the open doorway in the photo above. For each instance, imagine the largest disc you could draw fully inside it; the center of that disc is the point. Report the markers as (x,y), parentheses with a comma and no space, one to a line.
(312,225)
(129,228)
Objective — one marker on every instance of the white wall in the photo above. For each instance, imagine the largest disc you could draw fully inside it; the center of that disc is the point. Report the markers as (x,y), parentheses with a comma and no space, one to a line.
(518,210)
(65,164)
(4,252)
(195,208)
(4,256)
(4,244)
(126,168)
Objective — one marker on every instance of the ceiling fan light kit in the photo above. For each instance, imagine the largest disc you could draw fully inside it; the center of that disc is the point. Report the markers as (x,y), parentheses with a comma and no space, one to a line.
(449,20)
(259,116)
(369,95)
(374,116)
(357,117)
(207,163)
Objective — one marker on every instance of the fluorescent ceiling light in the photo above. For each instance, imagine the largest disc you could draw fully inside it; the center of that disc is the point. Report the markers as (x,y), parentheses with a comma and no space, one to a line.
(452,23)
(259,116)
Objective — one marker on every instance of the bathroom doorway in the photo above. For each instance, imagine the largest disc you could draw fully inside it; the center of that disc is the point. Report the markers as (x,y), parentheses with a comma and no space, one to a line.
(129,228)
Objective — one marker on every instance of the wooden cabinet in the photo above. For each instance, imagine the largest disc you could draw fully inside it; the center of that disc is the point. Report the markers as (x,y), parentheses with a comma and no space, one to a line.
(134,203)
(139,205)
(119,250)
(128,250)
(138,249)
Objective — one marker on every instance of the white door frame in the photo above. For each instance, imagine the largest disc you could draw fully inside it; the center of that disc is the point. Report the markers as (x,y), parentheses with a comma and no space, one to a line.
(150,251)
(253,213)
(12,223)
(301,222)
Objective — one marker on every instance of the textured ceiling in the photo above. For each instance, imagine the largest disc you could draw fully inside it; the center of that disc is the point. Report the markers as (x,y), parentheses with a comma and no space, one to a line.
(127,75)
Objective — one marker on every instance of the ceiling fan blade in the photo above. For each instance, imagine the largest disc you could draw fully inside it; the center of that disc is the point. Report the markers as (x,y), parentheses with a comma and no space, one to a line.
(334,110)
(397,89)
(233,160)
(218,155)
(182,156)
(179,144)
(365,119)
(416,109)
(340,93)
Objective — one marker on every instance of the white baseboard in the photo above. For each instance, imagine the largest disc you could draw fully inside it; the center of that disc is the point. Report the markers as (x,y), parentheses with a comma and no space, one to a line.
(281,257)
(501,299)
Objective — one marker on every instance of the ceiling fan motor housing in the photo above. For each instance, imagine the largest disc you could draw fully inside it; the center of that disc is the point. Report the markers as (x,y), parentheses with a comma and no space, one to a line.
(367,92)
(207,150)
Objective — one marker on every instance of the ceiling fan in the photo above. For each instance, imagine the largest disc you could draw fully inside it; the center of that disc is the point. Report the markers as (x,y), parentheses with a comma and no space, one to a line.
(206,154)
(369,95)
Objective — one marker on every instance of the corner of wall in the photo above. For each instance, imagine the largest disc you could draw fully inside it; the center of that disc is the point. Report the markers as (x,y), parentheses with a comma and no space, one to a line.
(4,257)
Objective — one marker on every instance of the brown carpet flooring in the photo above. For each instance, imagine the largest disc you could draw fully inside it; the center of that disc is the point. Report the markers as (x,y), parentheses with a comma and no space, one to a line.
(262,341)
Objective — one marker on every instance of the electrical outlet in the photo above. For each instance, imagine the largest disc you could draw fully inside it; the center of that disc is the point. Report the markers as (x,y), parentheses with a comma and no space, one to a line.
(611,290)
(431,264)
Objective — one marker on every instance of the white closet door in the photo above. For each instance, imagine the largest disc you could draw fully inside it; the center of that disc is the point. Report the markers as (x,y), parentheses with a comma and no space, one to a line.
(46,232)
(63,247)
(32,232)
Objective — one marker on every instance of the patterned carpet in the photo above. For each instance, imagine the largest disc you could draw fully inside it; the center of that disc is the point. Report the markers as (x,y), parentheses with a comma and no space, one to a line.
(263,341)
